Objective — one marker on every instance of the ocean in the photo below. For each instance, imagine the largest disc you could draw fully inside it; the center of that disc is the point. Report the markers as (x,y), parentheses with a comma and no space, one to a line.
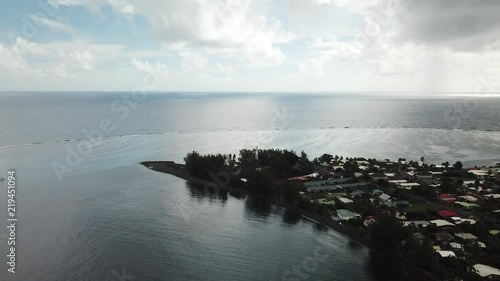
(88,211)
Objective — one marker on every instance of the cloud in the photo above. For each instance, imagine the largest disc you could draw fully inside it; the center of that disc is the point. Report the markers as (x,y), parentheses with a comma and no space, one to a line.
(52,24)
(158,70)
(461,25)
(239,28)
(83,60)
(11,60)
(193,61)
(24,46)
(315,66)
(224,68)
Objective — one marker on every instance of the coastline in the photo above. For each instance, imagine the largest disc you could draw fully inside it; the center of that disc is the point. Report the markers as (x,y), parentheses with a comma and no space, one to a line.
(175,169)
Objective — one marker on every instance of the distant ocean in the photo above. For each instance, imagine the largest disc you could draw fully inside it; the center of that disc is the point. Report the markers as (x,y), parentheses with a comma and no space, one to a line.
(109,214)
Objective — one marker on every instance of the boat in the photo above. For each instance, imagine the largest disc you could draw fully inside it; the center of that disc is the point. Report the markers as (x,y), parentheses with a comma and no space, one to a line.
(2,179)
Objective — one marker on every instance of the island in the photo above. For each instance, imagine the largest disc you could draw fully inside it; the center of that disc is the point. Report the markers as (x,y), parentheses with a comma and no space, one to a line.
(438,221)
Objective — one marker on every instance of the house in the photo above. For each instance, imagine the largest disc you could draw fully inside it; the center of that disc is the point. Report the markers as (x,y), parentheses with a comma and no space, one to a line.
(457,246)
(357,193)
(466,236)
(447,198)
(378,176)
(443,237)
(384,197)
(469,198)
(324,185)
(447,213)
(369,220)
(425,176)
(467,205)
(486,270)
(459,220)
(420,223)
(447,254)
(408,185)
(492,196)
(345,215)
(442,223)
(345,200)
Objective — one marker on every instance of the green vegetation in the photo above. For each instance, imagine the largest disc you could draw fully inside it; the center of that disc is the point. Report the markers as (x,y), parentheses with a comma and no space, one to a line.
(379,219)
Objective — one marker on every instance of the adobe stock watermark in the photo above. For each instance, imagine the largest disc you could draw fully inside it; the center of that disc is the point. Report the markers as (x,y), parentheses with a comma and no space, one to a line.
(220,180)
(32,24)
(120,109)
(278,121)
(311,263)
(121,276)
(375,23)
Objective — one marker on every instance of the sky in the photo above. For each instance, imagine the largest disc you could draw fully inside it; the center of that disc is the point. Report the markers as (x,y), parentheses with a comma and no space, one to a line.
(423,46)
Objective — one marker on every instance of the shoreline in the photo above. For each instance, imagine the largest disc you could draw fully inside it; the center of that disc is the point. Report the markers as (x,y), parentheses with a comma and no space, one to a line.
(175,169)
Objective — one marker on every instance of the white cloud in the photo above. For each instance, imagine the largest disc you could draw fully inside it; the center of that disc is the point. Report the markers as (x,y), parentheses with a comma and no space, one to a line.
(49,23)
(83,60)
(315,66)
(239,28)
(224,68)
(11,60)
(193,61)
(158,70)
(24,46)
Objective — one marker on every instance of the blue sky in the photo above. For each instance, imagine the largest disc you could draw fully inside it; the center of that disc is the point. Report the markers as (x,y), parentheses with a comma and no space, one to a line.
(242,45)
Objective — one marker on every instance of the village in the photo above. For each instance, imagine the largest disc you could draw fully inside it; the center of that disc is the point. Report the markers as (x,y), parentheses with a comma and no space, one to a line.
(454,208)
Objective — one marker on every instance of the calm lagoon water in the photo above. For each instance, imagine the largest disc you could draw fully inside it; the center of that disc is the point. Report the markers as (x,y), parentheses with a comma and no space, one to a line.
(110,216)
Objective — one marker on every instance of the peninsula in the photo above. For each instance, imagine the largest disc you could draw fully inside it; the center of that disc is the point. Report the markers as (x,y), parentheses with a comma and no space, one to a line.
(443,219)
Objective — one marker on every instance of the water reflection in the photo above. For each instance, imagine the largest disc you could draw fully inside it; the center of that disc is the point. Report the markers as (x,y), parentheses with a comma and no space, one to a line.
(384,270)
(201,192)
(257,208)
(291,217)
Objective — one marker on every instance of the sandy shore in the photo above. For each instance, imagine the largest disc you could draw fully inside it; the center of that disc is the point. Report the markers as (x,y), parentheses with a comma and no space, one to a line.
(172,168)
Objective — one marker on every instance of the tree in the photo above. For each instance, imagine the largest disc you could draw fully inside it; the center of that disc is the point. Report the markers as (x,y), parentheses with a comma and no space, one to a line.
(326,158)
(387,233)
(194,163)
(306,165)
(458,165)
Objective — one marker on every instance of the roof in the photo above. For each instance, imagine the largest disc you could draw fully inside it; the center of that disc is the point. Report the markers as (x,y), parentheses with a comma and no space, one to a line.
(384,197)
(446,254)
(325,184)
(325,201)
(494,196)
(423,223)
(345,200)
(443,236)
(485,270)
(447,213)
(466,205)
(357,193)
(469,198)
(466,236)
(440,223)
(344,214)
(398,181)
